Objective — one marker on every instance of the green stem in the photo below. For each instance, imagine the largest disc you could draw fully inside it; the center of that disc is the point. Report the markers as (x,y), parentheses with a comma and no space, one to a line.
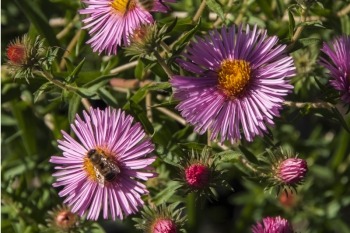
(162,63)
(49,77)
(191,212)
(165,46)
(299,29)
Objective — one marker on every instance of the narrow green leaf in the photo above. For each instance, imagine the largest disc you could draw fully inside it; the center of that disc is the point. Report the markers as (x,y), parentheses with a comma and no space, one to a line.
(157,86)
(171,26)
(139,70)
(216,8)
(69,65)
(291,24)
(187,37)
(137,97)
(302,43)
(340,118)
(107,97)
(249,155)
(46,87)
(166,193)
(77,69)
(229,156)
(73,107)
(141,116)
(86,92)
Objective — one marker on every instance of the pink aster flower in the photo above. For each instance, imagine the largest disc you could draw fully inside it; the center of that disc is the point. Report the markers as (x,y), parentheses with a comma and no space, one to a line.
(273,225)
(100,170)
(242,81)
(112,21)
(340,66)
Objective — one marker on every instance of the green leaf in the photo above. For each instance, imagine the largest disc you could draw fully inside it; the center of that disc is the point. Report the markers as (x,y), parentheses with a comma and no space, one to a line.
(139,70)
(302,43)
(229,156)
(340,118)
(73,107)
(291,24)
(69,65)
(187,37)
(157,86)
(107,97)
(216,8)
(315,23)
(38,20)
(141,116)
(137,97)
(171,26)
(166,193)
(75,72)
(86,92)
(46,87)
(249,155)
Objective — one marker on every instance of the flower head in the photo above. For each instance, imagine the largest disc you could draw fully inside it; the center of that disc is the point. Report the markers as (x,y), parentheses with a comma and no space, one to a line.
(161,219)
(273,225)
(113,21)
(242,82)
(284,169)
(62,219)
(23,55)
(101,169)
(199,173)
(340,66)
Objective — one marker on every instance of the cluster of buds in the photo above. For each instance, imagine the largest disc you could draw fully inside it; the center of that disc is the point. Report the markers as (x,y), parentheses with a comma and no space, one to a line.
(273,225)
(62,219)
(284,170)
(199,174)
(161,220)
(23,56)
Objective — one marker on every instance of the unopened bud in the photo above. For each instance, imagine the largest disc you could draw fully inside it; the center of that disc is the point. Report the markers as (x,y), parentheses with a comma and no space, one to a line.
(164,226)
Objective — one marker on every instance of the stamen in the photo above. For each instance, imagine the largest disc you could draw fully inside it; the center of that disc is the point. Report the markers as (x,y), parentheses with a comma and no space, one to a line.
(233,77)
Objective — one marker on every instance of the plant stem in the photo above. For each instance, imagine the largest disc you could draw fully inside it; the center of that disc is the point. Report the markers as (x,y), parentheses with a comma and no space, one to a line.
(242,12)
(191,212)
(199,12)
(343,11)
(162,63)
(209,132)
(311,105)
(165,46)
(219,20)
(49,77)
(299,29)
(70,47)
(124,67)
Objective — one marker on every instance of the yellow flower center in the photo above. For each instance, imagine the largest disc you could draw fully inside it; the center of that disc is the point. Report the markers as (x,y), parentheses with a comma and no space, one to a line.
(121,7)
(233,77)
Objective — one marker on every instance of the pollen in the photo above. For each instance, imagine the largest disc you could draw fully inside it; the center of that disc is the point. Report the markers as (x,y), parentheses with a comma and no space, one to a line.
(121,7)
(233,77)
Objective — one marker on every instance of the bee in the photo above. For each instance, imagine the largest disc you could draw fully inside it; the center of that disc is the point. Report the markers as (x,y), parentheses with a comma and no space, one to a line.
(105,168)
(147,5)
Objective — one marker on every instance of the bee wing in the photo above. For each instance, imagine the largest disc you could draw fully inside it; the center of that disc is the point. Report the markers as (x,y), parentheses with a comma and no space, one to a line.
(114,167)
(100,178)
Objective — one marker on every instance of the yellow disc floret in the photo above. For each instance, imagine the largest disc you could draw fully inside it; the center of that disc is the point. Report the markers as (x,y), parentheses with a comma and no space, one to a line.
(233,77)
(121,7)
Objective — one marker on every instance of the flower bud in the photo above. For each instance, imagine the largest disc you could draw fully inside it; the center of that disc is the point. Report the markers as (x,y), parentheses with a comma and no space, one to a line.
(16,54)
(164,226)
(273,225)
(162,219)
(62,219)
(198,176)
(293,170)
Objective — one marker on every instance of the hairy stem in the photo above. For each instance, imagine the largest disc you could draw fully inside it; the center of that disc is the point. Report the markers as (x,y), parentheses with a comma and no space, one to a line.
(162,63)
(299,29)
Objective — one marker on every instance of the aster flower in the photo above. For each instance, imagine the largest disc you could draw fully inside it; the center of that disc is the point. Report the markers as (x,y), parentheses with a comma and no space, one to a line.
(62,219)
(199,174)
(273,225)
(161,219)
(242,82)
(101,169)
(284,170)
(113,21)
(340,66)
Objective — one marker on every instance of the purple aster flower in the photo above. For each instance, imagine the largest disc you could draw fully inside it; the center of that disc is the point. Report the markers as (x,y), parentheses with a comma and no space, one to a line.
(112,21)
(101,169)
(340,66)
(292,170)
(273,225)
(242,81)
